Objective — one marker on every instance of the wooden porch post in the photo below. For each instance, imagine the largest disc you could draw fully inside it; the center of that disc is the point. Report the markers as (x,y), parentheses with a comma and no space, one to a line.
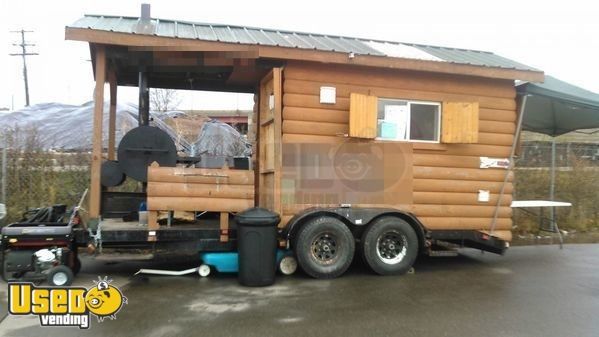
(95,188)
(112,114)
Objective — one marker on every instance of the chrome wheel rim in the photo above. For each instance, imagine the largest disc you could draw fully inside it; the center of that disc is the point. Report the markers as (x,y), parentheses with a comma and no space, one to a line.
(391,247)
(59,279)
(325,248)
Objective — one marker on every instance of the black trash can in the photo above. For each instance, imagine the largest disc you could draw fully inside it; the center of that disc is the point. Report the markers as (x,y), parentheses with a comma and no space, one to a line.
(257,245)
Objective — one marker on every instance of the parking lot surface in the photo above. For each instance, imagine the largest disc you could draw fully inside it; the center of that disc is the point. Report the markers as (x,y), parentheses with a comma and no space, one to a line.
(531,291)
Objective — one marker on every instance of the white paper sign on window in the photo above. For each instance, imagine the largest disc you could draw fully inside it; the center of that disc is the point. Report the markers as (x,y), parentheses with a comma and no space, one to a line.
(399,115)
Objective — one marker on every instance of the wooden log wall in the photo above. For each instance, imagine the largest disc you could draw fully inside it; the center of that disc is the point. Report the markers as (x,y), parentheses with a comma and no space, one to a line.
(447,177)
(195,189)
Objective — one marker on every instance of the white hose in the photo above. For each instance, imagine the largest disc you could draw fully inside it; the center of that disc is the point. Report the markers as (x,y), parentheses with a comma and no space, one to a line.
(167,272)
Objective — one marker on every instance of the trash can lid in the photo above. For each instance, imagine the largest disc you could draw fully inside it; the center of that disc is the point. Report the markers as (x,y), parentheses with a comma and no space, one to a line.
(257,216)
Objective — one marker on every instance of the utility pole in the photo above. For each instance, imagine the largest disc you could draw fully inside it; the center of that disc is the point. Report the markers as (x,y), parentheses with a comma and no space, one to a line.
(24,54)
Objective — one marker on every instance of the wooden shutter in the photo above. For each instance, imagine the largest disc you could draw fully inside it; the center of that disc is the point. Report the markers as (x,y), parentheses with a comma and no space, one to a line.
(459,122)
(362,116)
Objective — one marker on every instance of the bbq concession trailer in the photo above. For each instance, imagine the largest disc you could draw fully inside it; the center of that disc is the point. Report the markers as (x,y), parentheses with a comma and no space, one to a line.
(390,149)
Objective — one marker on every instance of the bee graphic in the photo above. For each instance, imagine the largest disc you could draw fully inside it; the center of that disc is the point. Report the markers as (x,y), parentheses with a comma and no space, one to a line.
(104,300)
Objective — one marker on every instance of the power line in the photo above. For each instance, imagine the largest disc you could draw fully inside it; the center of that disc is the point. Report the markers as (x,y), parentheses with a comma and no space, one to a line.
(24,55)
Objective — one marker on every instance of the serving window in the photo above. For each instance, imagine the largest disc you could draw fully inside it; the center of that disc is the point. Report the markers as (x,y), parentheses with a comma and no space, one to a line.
(408,120)
(391,119)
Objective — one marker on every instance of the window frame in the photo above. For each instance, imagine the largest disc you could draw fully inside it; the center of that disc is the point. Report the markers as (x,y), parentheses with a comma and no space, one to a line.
(409,121)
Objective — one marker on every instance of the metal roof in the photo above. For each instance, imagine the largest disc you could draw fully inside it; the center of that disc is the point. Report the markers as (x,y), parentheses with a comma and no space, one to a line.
(289,39)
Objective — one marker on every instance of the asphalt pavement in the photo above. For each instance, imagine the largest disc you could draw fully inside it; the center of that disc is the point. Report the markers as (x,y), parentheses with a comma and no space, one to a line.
(531,291)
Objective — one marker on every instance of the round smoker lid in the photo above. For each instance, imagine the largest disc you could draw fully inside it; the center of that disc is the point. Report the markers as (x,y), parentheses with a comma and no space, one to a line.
(142,146)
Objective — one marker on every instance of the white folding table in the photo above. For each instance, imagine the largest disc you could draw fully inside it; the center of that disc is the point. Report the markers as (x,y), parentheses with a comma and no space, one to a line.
(542,204)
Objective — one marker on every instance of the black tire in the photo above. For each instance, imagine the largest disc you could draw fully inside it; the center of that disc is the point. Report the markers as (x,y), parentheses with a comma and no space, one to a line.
(14,275)
(60,276)
(389,246)
(325,247)
(5,277)
(76,265)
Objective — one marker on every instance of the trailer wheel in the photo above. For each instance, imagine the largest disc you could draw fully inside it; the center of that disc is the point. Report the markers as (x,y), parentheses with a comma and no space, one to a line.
(325,247)
(389,246)
(60,276)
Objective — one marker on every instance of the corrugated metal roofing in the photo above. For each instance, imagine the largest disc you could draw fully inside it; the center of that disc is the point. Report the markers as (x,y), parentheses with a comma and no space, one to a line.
(288,39)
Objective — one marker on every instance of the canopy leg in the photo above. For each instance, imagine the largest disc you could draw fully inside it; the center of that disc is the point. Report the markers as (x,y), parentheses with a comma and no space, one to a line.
(559,235)
(510,165)
(552,183)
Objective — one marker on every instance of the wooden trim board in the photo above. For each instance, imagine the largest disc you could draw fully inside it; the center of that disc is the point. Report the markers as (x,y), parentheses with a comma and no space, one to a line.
(96,165)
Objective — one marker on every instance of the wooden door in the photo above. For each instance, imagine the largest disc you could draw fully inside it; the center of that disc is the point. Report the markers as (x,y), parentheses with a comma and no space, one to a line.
(269,141)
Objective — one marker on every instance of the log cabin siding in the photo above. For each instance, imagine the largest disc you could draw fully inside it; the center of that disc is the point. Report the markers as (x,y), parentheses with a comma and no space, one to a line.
(446,177)
(189,189)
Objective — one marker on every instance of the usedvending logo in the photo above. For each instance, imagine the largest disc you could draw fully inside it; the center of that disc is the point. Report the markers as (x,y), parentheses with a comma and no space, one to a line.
(66,306)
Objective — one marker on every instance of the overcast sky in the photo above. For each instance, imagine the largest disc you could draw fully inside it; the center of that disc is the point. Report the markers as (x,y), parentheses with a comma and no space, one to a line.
(560,39)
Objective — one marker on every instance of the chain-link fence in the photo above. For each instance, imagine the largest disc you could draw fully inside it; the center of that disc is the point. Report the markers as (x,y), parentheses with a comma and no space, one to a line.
(35,177)
(576,181)
(32,176)
(538,154)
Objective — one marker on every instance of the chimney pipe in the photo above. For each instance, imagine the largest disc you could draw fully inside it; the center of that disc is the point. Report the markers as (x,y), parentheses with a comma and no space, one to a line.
(145,12)
(144,99)
(144,25)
